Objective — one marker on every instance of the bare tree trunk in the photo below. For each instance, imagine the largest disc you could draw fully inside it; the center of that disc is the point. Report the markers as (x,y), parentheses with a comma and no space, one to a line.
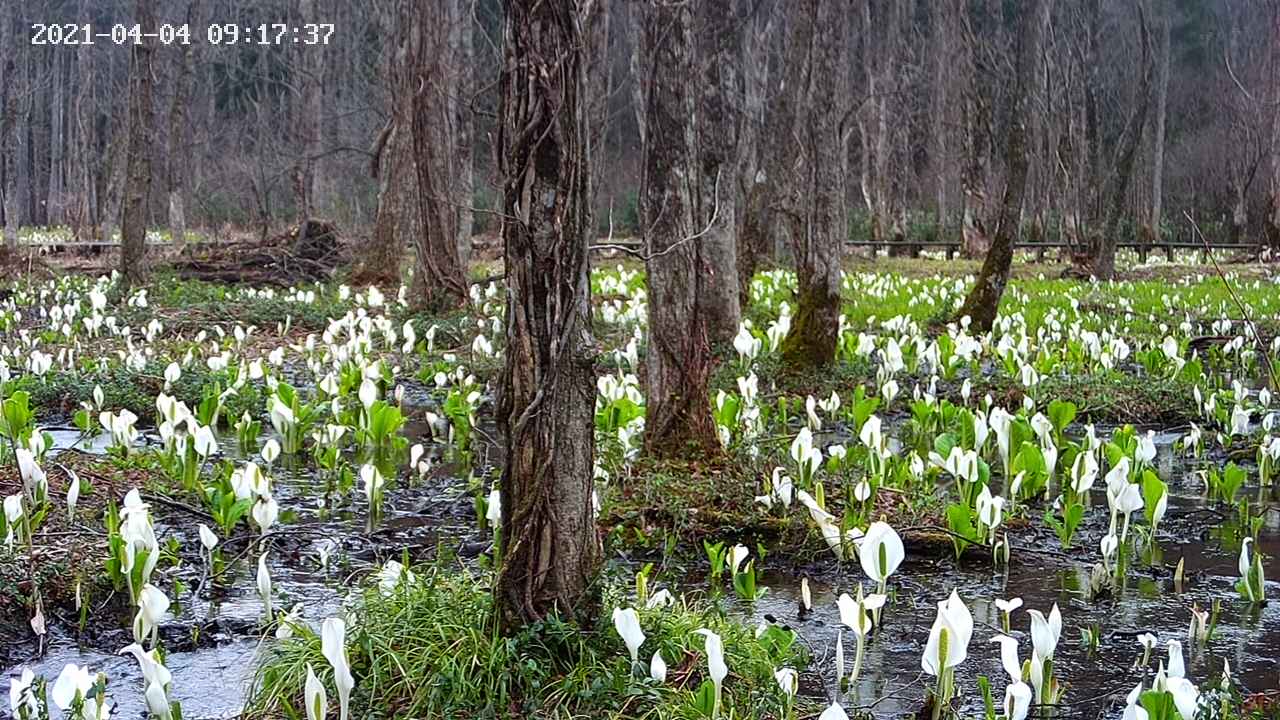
(599,89)
(983,301)
(678,365)
(9,126)
(636,23)
(974,237)
(751,193)
(1157,158)
(1273,224)
(817,212)
(940,39)
(1239,212)
(718,32)
(464,86)
(397,217)
(53,199)
(440,279)
(133,212)
(1104,255)
(872,124)
(307,108)
(177,150)
(546,403)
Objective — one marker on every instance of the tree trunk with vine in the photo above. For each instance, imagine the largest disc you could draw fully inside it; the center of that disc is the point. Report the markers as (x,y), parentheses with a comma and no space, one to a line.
(546,401)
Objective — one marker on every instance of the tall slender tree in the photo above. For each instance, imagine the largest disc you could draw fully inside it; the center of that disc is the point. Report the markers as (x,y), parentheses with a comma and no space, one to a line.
(545,405)
(1106,241)
(1273,65)
(678,364)
(392,163)
(440,277)
(133,211)
(9,125)
(753,190)
(1162,113)
(462,67)
(177,151)
(815,198)
(983,301)
(717,40)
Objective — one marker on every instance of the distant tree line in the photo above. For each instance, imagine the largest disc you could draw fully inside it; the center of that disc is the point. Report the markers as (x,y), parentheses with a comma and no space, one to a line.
(1138,111)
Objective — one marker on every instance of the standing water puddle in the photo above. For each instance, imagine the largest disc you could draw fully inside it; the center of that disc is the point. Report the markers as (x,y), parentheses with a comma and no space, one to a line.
(212,672)
(892,683)
(214,637)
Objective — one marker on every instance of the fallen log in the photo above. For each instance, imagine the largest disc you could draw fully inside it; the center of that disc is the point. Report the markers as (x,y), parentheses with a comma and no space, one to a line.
(308,252)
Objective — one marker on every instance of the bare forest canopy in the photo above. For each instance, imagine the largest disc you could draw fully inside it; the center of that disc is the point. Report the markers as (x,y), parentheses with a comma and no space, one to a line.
(1158,107)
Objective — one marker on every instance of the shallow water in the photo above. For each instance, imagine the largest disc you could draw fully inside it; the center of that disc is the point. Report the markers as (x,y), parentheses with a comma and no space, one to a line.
(209,682)
(212,671)
(65,438)
(892,683)
(215,635)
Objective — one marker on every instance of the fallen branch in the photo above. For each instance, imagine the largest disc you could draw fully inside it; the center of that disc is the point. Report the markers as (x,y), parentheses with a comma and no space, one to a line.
(1244,310)
(309,252)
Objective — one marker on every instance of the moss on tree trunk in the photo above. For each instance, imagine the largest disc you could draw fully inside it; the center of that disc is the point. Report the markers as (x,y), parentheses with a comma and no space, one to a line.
(811,343)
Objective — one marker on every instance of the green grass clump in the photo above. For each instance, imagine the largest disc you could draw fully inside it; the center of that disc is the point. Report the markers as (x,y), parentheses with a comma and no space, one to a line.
(61,392)
(201,302)
(1111,397)
(430,649)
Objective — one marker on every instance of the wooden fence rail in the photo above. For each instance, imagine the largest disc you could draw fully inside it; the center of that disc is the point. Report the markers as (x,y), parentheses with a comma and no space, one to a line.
(953,246)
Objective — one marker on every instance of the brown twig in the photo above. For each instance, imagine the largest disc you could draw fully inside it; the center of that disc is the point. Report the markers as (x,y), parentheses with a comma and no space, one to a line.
(1244,311)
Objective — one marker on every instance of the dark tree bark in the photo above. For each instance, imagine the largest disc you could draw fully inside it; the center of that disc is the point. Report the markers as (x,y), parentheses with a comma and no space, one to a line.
(177,166)
(1104,247)
(440,278)
(1162,111)
(133,211)
(392,164)
(983,301)
(54,194)
(753,192)
(940,31)
(816,198)
(718,33)
(1273,221)
(9,126)
(546,402)
(462,72)
(600,84)
(678,364)
(307,111)
(398,216)
(974,237)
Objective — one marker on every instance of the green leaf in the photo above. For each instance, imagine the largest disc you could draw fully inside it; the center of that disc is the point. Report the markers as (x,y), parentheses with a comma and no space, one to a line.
(777,642)
(1159,705)
(988,702)
(1233,478)
(1061,413)
(960,522)
(943,444)
(704,699)
(1153,488)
